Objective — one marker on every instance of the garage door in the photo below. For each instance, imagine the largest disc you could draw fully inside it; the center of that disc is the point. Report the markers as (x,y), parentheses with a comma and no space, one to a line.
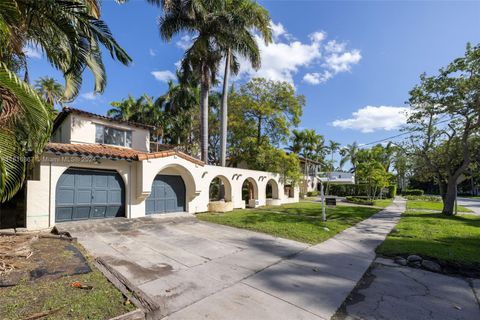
(89,194)
(168,195)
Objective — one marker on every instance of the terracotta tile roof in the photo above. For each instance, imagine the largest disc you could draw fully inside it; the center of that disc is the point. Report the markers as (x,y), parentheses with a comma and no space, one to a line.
(67,110)
(112,152)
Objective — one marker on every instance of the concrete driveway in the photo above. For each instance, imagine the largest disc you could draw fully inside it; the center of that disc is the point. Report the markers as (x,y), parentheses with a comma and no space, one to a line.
(190,269)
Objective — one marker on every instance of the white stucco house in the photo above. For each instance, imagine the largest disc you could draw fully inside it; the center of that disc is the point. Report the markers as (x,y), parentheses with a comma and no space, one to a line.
(95,167)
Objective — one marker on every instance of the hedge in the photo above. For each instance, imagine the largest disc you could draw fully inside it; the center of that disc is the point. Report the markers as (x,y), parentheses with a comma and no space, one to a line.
(413,192)
(392,191)
(360,200)
(312,193)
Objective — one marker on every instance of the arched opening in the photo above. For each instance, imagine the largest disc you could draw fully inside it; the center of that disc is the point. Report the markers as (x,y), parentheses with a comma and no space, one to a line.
(220,195)
(271,190)
(172,188)
(250,193)
(289,190)
(220,189)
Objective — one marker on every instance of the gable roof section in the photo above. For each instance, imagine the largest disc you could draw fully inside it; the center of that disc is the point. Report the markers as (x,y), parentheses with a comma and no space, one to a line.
(115,153)
(68,110)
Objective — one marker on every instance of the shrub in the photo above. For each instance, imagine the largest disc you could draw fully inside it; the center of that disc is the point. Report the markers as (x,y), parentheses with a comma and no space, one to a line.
(348,190)
(360,200)
(413,192)
(312,193)
(301,195)
(392,191)
(424,198)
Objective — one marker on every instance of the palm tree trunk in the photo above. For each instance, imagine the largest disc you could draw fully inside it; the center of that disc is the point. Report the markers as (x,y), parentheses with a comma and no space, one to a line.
(204,121)
(224,112)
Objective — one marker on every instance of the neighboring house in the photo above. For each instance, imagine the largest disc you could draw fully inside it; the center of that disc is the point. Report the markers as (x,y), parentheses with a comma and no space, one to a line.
(313,176)
(96,167)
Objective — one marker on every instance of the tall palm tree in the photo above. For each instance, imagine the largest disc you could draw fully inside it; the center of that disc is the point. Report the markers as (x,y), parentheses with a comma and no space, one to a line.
(247,16)
(50,90)
(333,147)
(350,154)
(69,33)
(298,139)
(206,20)
(126,109)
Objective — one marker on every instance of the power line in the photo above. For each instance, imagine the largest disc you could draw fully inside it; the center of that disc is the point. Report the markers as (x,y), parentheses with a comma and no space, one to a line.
(401,134)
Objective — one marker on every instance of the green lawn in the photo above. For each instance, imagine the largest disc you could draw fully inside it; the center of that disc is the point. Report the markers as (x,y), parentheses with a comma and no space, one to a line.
(430,205)
(383,203)
(298,221)
(454,239)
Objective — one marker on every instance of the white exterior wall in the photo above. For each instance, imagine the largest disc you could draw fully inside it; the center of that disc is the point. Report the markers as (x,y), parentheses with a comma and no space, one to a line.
(81,129)
(138,177)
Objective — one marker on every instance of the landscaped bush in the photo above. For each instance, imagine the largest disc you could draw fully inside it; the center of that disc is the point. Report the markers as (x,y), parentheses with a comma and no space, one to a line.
(413,192)
(348,190)
(392,191)
(312,193)
(424,198)
(360,200)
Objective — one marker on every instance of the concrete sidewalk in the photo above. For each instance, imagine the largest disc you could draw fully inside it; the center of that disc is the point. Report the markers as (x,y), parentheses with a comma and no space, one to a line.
(311,284)
(470,203)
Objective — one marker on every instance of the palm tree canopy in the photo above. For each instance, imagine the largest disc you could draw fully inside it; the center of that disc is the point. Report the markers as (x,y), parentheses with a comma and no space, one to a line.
(50,90)
(68,32)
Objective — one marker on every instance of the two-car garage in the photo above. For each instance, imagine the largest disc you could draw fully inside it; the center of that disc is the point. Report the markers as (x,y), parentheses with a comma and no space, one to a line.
(83,194)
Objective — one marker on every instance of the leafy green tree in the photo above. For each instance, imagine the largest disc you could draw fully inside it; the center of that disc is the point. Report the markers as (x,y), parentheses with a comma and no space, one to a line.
(246,16)
(445,120)
(270,107)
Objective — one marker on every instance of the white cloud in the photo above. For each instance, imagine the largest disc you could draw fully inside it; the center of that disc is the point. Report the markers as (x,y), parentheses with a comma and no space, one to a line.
(32,52)
(277,29)
(342,61)
(371,118)
(285,57)
(89,96)
(185,42)
(316,77)
(152,52)
(312,78)
(164,75)
(335,47)
(318,36)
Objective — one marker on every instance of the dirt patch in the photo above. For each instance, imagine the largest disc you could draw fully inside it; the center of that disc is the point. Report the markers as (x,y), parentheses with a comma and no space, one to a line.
(54,279)
(31,257)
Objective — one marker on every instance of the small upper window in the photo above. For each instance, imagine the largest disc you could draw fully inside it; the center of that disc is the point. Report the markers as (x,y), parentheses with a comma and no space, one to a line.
(117,137)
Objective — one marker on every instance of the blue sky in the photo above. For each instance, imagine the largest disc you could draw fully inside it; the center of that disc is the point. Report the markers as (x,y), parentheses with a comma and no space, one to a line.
(354,61)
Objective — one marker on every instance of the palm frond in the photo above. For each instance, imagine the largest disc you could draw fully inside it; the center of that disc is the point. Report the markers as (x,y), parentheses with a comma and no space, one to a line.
(26,131)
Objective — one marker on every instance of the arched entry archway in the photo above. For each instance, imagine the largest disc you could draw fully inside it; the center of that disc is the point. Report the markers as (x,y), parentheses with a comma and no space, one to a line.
(172,189)
(250,192)
(220,189)
(271,190)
